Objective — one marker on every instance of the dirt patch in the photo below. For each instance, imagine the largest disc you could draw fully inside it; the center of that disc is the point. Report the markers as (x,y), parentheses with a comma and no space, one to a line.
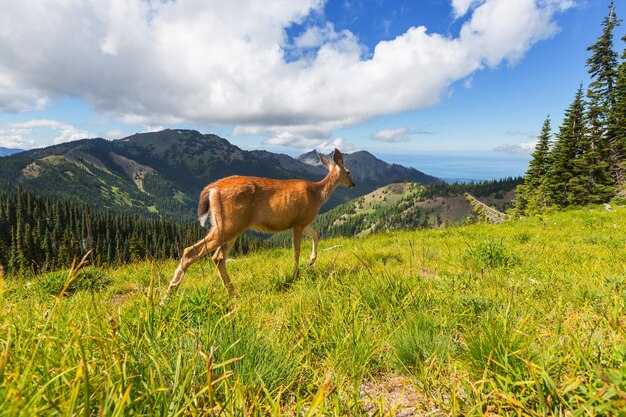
(396,395)
(133,169)
(31,170)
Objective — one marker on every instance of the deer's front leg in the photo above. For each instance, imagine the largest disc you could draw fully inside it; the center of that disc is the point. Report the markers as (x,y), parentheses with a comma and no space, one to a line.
(297,240)
(190,254)
(314,236)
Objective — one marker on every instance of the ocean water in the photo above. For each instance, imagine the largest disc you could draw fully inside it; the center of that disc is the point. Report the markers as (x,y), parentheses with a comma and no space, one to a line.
(463,166)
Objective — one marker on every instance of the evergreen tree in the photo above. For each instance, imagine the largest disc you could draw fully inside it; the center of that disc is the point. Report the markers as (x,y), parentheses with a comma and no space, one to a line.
(617,124)
(602,66)
(136,249)
(532,194)
(42,235)
(567,180)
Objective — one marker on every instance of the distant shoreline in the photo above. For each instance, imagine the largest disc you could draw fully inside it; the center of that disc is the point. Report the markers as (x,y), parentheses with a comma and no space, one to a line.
(461,167)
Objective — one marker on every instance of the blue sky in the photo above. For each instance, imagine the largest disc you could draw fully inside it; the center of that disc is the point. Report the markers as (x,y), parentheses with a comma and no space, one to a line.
(289,76)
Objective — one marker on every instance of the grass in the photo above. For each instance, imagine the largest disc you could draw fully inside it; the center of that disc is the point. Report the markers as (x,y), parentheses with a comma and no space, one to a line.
(522,318)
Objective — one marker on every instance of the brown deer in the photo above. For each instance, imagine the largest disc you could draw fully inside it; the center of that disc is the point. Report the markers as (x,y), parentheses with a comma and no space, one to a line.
(236,204)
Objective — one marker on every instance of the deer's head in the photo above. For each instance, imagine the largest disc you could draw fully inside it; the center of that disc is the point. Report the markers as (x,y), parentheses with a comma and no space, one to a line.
(337,167)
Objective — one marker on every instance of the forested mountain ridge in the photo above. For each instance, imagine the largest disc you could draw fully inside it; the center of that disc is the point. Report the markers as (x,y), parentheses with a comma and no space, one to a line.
(39,234)
(45,234)
(9,151)
(162,173)
(408,205)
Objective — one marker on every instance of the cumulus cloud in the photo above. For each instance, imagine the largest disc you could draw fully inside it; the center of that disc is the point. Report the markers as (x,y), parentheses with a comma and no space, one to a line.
(461,7)
(517,149)
(114,134)
(313,136)
(401,134)
(392,135)
(159,62)
(22,132)
(14,138)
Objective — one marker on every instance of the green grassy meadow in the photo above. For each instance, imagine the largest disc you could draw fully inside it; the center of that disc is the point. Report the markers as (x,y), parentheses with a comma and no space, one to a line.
(523,318)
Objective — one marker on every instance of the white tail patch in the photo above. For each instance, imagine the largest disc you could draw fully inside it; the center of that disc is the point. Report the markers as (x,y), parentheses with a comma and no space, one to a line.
(204,218)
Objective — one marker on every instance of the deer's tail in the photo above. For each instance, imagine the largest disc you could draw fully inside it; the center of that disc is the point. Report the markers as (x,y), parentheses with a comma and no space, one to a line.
(204,204)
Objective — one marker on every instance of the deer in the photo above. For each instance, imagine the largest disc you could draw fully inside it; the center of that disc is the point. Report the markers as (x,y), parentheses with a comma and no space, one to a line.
(238,203)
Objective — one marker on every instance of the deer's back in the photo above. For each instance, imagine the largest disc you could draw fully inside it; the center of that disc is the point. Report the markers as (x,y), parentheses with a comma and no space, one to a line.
(266,204)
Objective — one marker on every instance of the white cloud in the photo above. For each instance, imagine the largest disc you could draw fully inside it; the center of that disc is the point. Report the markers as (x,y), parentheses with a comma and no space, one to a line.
(461,7)
(14,138)
(318,136)
(392,135)
(339,143)
(162,62)
(401,134)
(63,132)
(518,149)
(153,128)
(316,36)
(287,139)
(114,134)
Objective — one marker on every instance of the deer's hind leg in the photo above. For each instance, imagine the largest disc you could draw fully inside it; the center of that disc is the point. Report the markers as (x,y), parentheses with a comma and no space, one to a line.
(190,254)
(310,232)
(219,257)
(297,240)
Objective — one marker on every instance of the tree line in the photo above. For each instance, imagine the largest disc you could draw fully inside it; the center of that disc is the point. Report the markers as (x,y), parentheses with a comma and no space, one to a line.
(348,220)
(585,161)
(43,234)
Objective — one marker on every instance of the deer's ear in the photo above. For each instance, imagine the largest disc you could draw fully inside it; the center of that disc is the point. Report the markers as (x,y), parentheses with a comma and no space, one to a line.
(324,161)
(338,157)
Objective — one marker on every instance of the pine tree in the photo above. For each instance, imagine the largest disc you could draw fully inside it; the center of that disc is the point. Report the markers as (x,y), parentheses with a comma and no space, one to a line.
(617,125)
(136,249)
(566,182)
(532,194)
(602,66)
(49,234)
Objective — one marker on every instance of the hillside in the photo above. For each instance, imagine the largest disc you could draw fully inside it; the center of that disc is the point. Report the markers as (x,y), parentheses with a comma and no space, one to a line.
(162,173)
(522,318)
(9,151)
(366,168)
(408,205)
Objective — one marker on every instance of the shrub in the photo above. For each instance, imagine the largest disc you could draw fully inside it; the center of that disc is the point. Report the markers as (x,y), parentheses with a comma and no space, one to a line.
(90,278)
(490,254)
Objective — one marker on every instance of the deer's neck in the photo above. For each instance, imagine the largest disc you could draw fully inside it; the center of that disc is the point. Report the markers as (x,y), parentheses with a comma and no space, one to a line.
(327,185)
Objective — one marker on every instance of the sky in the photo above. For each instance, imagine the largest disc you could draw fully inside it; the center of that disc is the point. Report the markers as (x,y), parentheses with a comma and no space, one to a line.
(397,77)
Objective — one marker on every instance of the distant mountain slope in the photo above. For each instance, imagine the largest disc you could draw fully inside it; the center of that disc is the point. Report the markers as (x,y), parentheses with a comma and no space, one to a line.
(9,151)
(411,206)
(365,167)
(162,173)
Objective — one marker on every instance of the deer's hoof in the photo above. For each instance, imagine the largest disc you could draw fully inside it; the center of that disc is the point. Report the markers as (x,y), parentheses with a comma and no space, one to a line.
(310,262)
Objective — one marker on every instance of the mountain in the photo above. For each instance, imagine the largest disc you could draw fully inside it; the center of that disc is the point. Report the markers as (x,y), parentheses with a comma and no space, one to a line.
(409,205)
(365,167)
(162,173)
(9,151)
